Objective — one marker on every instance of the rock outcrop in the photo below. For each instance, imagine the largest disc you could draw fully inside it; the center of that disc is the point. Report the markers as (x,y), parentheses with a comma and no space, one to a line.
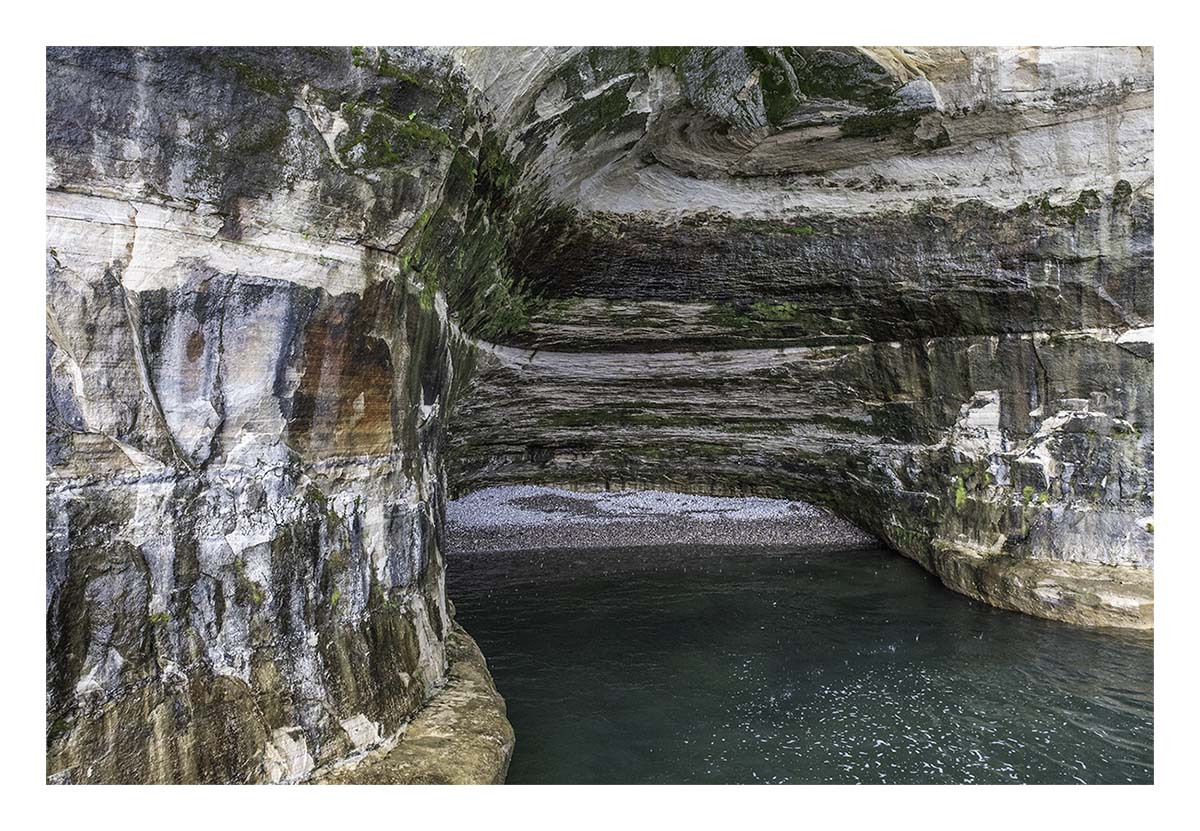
(461,738)
(913,287)
(247,392)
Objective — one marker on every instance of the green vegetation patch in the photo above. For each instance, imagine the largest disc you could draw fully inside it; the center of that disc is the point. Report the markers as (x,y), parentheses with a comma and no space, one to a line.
(790,75)
(256,78)
(760,319)
(462,247)
(778,83)
(878,124)
(377,138)
(598,114)
(668,56)
(1071,213)
(246,588)
(775,312)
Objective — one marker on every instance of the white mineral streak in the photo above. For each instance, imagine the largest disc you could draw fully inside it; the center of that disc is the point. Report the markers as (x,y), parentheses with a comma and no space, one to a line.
(614,365)
(978,430)
(1013,138)
(1142,335)
(286,756)
(507,76)
(158,243)
(362,731)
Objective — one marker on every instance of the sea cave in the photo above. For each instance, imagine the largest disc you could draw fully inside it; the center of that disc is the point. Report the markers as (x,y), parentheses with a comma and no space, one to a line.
(614,414)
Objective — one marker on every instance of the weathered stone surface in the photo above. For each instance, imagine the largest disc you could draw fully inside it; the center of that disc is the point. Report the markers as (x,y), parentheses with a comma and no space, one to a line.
(247,395)
(912,286)
(461,737)
(1076,592)
(760,133)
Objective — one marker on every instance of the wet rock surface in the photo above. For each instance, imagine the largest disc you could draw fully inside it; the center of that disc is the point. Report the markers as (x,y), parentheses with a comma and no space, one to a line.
(461,737)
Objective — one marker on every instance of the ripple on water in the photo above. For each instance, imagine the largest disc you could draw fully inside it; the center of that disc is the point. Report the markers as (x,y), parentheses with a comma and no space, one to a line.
(707,665)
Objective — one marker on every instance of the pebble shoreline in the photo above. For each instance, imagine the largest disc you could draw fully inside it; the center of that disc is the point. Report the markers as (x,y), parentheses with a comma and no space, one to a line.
(510,518)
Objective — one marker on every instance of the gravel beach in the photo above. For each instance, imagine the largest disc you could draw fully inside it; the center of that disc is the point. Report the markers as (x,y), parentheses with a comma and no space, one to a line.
(510,518)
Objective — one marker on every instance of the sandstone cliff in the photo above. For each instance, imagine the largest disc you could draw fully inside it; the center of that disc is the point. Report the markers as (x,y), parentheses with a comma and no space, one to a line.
(246,404)
(912,286)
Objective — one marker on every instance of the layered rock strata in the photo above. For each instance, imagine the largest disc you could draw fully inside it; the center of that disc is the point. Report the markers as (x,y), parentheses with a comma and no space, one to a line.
(247,391)
(914,287)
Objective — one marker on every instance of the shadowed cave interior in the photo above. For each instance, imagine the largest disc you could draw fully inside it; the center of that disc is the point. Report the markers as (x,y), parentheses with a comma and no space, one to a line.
(642,637)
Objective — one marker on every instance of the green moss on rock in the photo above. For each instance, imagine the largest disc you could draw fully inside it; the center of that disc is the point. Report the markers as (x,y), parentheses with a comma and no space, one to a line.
(257,78)
(377,138)
(598,114)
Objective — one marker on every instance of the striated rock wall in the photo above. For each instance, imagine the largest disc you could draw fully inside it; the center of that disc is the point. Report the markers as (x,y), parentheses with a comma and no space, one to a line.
(247,390)
(914,286)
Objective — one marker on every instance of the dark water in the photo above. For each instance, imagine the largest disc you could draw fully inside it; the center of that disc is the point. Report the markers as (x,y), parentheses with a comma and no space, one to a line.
(720,665)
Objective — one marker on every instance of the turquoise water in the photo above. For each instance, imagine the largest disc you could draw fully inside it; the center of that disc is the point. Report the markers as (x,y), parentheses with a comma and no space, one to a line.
(735,666)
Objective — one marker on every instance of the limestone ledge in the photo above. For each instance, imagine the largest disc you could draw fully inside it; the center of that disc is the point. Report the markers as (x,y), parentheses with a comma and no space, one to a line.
(158,240)
(1084,594)
(461,737)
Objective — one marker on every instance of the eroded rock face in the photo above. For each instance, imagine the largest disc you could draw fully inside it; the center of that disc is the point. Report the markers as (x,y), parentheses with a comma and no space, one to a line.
(247,393)
(915,287)
(461,738)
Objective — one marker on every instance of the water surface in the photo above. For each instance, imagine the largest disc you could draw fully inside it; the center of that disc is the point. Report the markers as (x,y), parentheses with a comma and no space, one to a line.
(738,666)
